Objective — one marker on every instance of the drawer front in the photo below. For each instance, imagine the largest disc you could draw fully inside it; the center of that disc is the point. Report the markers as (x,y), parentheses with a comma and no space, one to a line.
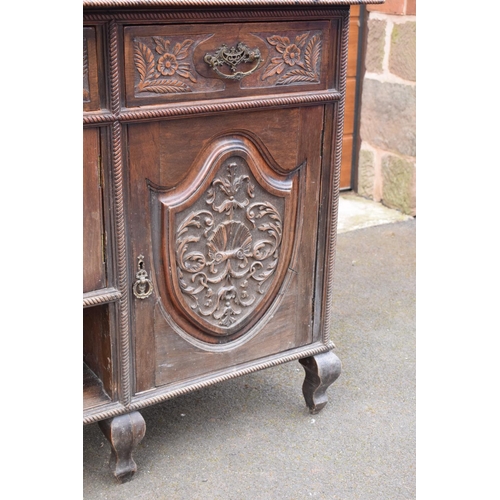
(171,63)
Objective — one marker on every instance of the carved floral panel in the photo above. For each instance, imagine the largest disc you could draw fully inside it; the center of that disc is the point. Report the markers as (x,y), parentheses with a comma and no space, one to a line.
(163,65)
(294,58)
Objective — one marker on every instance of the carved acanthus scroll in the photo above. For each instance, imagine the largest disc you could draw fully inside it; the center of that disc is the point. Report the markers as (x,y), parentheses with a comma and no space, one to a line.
(226,253)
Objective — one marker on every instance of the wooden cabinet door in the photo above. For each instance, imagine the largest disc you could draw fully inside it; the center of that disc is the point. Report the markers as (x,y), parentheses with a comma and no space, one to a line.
(223,213)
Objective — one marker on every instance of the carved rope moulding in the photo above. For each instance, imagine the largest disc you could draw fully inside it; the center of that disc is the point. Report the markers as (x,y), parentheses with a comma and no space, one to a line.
(98,4)
(212,15)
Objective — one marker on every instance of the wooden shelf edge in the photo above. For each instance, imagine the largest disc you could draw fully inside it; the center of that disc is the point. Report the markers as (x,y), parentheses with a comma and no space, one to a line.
(103,296)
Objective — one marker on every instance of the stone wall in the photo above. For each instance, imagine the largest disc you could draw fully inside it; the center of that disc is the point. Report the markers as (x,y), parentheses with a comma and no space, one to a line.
(387,158)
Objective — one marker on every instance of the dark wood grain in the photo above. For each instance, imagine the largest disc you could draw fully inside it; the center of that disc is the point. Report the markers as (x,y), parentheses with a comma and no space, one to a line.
(91,84)
(94,275)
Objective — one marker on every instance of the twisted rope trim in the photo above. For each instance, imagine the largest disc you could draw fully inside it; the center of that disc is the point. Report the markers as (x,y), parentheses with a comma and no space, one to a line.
(223,14)
(102,297)
(138,405)
(219,3)
(95,414)
(98,118)
(332,238)
(124,333)
(114,70)
(324,97)
(228,106)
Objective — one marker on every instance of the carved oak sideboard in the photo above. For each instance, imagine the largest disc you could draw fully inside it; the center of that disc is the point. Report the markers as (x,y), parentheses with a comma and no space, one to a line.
(212,144)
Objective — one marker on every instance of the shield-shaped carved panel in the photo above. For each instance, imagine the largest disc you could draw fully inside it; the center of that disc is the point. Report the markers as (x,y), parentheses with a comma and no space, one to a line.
(224,239)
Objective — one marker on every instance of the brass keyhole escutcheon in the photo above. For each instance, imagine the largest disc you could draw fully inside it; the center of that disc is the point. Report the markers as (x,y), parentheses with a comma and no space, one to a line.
(143,286)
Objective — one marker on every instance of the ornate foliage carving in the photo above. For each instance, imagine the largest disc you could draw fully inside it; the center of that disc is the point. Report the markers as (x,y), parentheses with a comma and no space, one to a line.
(296,62)
(226,252)
(166,72)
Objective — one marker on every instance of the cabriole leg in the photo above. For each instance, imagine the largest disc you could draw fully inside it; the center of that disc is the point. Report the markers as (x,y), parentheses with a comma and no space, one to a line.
(321,371)
(124,433)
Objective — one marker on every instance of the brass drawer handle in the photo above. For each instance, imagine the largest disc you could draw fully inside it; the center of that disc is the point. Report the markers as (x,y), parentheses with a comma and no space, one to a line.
(143,286)
(233,57)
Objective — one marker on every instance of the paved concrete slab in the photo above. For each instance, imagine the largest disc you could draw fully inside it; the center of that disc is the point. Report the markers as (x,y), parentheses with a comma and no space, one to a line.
(356,212)
(252,437)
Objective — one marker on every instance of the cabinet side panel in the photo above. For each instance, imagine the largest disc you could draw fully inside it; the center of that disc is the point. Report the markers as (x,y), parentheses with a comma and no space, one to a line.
(311,138)
(94,276)
(91,97)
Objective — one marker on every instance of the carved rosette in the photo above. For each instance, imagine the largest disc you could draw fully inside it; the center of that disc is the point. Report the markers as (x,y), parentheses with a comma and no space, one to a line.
(229,243)
(226,254)
(296,61)
(163,66)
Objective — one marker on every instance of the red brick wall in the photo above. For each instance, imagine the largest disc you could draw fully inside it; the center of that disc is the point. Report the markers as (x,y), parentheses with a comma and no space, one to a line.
(397,7)
(387,156)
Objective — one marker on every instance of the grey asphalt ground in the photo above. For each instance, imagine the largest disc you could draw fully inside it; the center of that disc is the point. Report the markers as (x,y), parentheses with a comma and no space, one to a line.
(253,438)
